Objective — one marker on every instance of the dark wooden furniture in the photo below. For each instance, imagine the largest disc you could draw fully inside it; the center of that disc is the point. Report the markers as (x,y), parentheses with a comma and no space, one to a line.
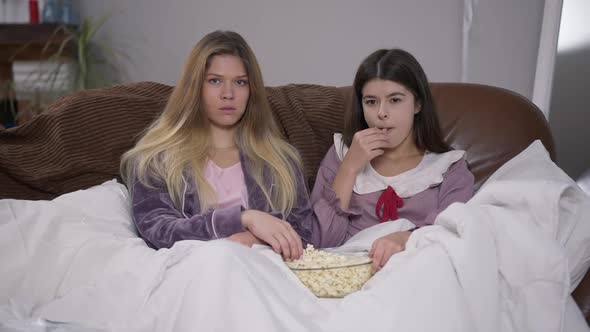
(27,42)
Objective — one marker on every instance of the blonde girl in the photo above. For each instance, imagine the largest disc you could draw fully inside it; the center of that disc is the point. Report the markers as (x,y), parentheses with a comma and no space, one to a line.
(213,165)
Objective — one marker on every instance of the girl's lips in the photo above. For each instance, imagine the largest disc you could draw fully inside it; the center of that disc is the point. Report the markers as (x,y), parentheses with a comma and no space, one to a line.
(227,110)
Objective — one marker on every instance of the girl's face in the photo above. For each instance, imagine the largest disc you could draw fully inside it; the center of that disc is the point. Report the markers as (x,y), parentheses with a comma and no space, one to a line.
(225,91)
(390,106)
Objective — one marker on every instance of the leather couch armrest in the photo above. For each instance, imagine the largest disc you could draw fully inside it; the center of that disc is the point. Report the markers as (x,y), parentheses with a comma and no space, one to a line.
(582,296)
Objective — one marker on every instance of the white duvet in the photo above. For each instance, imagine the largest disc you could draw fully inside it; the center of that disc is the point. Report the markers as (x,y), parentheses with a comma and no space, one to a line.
(505,261)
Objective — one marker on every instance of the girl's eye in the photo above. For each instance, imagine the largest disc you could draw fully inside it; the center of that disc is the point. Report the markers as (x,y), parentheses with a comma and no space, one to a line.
(242,82)
(395,100)
(370,101)
(214,81)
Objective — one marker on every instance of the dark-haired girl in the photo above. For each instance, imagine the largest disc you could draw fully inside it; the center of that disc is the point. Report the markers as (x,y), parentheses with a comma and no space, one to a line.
(391,160)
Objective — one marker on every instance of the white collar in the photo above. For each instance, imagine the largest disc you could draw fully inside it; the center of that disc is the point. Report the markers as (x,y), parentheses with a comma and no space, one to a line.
(428,173)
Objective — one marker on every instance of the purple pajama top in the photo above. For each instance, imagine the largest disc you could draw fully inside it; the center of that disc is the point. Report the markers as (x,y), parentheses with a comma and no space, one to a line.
(438,181)
(161,224)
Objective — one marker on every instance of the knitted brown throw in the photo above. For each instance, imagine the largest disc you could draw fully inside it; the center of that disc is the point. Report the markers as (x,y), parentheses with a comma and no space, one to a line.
(79,141)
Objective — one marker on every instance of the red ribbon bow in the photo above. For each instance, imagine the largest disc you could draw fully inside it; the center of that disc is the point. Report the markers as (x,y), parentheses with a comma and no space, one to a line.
(388,204)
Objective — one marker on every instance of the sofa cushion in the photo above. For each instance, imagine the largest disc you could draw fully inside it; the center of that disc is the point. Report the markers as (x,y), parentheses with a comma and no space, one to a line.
(79,142)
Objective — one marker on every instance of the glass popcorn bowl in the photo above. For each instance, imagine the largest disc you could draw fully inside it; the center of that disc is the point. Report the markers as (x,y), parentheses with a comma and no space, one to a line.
(333,278)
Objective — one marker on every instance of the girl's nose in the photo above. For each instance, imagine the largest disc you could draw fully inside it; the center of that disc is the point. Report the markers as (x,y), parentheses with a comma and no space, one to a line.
(227,91)
(382,113)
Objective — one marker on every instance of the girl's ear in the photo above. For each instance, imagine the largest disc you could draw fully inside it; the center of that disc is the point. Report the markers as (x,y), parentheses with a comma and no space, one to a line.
(418,108)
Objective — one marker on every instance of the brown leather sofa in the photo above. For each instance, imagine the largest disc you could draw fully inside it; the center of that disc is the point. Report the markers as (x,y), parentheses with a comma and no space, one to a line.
(78,143)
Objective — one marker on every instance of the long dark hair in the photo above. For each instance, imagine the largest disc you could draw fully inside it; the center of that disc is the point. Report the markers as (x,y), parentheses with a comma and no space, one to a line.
(401,67)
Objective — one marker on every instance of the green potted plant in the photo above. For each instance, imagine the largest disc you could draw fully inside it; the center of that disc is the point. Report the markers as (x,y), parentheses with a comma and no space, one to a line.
(97,64)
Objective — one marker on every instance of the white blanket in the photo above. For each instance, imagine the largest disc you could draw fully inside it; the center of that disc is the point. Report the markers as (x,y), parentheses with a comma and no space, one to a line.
(505,261)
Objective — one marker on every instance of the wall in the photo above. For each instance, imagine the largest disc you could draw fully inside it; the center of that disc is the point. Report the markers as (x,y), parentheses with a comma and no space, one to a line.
(322,42)
(505,42)
(569,117)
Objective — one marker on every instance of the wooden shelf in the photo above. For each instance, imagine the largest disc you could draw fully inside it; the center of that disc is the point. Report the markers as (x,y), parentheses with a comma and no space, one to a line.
(29,42)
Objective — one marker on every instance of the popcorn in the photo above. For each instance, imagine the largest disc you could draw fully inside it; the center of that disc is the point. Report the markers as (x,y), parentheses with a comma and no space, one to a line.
(331,275)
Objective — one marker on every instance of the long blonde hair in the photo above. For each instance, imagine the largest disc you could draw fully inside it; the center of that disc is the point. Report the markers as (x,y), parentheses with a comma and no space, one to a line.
(179,140)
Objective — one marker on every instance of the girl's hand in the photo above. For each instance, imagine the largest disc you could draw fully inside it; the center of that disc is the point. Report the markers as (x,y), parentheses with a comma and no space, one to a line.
(366,145)
(384,247)
(246,238)
(276,232)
